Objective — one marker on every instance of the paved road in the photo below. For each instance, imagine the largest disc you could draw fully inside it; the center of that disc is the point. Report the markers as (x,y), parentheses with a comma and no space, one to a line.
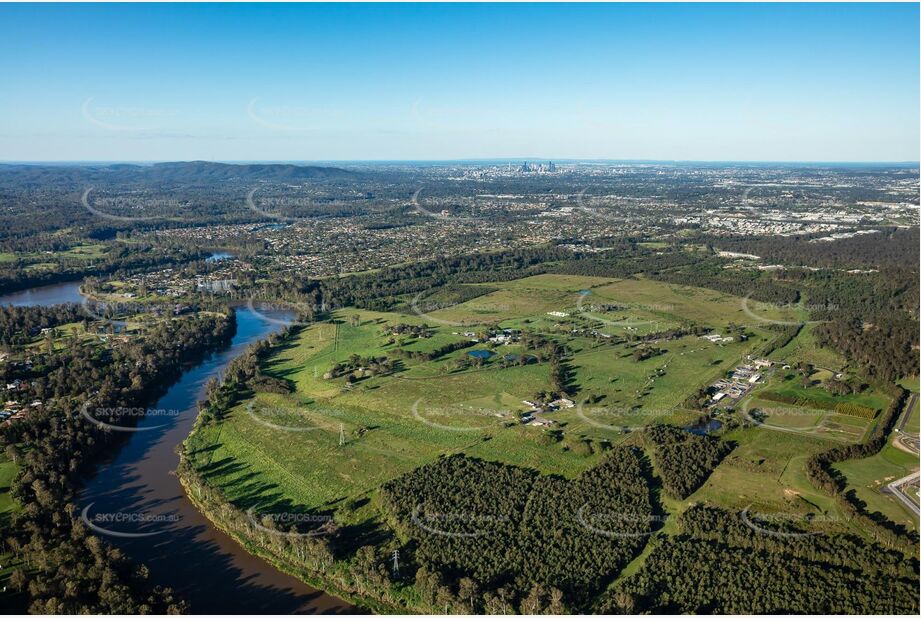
(911,406)
(907,441)
(895,488)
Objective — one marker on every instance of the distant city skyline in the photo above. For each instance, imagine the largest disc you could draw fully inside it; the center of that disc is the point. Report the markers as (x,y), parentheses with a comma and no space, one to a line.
(822,83)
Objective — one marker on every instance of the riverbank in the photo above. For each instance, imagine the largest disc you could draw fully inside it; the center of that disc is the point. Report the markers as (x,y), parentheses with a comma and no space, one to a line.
(59,445)
(226,517)
(310,556)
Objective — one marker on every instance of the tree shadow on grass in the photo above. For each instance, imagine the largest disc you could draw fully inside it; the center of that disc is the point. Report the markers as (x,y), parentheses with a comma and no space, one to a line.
(351,538)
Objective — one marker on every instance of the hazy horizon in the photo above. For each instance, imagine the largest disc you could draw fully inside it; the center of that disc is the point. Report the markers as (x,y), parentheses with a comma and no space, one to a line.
(481,160)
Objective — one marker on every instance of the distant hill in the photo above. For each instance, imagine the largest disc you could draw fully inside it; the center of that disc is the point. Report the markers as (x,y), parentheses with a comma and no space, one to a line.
(184,172)
(205,170)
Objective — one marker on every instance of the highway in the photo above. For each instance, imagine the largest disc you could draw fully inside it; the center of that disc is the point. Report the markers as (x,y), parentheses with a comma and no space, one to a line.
(908,408)
(904,440)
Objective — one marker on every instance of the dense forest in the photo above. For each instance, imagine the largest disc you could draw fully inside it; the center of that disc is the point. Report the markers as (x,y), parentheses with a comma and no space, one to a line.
(891,247)
(865,289)
(517,535)
(718,565)
(685,460)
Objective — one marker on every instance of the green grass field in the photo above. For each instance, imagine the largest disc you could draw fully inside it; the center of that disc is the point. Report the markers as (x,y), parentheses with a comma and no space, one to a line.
(646,302)
(913,425)
(794,388)
(822,424)
(914,492)
(811,415)
(86,251)
(815,429)
(330,442)
(7,472)
(766,469)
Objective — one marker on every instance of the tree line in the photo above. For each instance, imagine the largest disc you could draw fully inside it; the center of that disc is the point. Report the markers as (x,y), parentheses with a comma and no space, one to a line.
(821,472)
(20,325)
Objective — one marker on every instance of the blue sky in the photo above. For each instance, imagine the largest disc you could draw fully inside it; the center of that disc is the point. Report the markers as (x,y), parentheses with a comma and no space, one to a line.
(772,82)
